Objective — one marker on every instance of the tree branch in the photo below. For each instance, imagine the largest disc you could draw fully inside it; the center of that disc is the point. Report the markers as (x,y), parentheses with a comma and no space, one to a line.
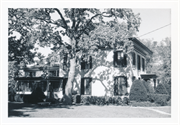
(62,18)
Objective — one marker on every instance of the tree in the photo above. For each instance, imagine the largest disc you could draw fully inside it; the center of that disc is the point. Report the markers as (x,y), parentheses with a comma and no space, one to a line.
(77,24)
(160,61)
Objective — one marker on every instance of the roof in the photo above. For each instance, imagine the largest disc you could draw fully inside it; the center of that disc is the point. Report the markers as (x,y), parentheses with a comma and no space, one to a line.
(148,76)
(40,68)
(137,43)
(38,78)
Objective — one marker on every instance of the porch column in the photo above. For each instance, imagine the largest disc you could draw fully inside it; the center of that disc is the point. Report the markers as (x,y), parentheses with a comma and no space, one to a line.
(47,89)
(154,79)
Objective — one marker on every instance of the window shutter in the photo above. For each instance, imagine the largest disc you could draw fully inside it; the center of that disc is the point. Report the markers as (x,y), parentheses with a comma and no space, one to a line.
(90,80)
(82,86)
(90,61)
(65,62)
(125,60)
(64,84)
(115,59)
(133,58)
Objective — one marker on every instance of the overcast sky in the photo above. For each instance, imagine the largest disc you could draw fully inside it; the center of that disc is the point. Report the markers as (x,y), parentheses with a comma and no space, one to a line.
(153,19)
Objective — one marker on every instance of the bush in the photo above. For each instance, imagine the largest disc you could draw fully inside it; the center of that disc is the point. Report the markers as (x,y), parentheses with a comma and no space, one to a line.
(160,99)
(148,86)
(85,99)
(143,104)
(168,88)
(126,101)
(76,98)
(103,100)
(138,91)
(18,98)
(160,89)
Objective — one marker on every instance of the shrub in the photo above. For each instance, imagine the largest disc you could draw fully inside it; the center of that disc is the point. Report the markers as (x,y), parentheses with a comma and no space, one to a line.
(76,98)
(143,104)
(148,86)
(160,99)
(85,99)
(138,91)
(125,101)
(160,89)
(18,98)
(168,88)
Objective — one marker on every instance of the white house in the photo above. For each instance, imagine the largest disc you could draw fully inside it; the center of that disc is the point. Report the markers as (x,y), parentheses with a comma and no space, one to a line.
(111,73)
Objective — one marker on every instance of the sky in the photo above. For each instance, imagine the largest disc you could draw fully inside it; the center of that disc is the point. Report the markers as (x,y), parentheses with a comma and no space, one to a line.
(151,19)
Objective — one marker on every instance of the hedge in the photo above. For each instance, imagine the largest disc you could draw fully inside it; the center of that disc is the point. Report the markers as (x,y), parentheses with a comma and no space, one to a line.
(168,88)
(160,89)
(138,92)
(148,86)
(103,100)
(160,99)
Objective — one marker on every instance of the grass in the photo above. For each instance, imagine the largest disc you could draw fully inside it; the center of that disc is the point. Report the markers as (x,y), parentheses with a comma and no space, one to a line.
(81,111)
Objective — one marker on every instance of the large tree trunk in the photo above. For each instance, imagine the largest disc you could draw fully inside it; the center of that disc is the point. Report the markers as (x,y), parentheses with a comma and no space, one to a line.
(69,84)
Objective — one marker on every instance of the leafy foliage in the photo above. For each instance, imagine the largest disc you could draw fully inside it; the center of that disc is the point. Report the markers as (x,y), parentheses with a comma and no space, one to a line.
(168,88)
(160,62)
(160,89)
(148,86)
(161,99)
(138,92)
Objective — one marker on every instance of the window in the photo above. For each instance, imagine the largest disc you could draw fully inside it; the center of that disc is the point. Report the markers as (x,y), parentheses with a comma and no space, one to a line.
(24,86)
(120,59)
(56,85)
(86,63)
(120,85)
(86,86)
(143,64)
(42,85)
(139,62)
(54,73)
(133,58)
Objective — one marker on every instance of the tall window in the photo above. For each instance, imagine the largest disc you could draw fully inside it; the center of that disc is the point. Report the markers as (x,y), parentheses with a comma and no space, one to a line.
(86,86)
(143,64)
(139,62)
(86,63)
(120,59)
(133,58)
(120,85)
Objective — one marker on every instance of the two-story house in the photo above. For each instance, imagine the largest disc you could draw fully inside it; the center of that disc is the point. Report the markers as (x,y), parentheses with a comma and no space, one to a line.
(110,73)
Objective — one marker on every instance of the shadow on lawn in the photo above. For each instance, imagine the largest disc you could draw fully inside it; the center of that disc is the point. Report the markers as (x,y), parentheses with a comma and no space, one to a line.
(16,109)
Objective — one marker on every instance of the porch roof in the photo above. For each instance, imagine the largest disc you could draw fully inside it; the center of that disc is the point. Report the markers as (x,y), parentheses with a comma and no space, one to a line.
(148,76)
(37,78)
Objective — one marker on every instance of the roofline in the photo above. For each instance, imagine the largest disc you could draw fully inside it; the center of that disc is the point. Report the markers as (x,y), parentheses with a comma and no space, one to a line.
(134,39)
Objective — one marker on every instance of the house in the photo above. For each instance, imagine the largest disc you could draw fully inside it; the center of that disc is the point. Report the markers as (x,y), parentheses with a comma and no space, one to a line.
(111,73)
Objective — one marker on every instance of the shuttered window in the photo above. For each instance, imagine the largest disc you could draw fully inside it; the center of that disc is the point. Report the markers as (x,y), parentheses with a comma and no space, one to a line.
(120,85)
(86,86)
(133,58)
(86,63)
(120,59)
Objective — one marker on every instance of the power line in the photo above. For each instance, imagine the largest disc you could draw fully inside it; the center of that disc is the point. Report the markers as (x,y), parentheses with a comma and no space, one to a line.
(155,30)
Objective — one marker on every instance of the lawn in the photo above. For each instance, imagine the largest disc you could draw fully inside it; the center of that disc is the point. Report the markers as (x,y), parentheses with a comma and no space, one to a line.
(81,111)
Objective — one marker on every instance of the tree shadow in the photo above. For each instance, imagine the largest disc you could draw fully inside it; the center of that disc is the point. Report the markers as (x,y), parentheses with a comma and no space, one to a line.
(19,109)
